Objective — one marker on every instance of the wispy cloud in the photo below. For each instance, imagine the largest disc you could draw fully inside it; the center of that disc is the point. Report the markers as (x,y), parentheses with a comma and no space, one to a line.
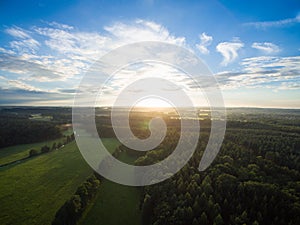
(60,25)
(71,52)
(229,51)
(277,73)
(289,86)
(141,30)
(17,84)
(205,41)
(24,43)
(276,23)
(30,97)
(266,47)
(17,32)
(29,45)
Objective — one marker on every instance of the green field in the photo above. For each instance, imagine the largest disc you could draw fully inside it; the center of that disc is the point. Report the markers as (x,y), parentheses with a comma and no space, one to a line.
(16,152)
(115,203)
(32,191)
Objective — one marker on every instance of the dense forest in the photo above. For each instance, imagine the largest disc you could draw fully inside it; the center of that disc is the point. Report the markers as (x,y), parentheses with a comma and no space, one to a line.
(23,125)
(254,180)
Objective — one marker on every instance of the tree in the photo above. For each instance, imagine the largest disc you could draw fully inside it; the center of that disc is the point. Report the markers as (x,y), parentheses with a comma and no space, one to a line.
(189,214)
(218,220)
(147,210)
(196,207)
(45,149)
(54,146)
(188,198)
(33,152)
(203,219)
(244,217)
(195,222)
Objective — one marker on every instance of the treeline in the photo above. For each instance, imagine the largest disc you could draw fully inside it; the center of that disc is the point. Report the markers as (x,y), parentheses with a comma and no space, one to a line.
(15,130)
(60,115)
(19,127)
(250,182)
(55,146)
(71,211)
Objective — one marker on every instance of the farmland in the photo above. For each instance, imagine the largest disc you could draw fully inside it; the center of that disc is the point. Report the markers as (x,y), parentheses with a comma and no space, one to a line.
(31,192)
(115,203)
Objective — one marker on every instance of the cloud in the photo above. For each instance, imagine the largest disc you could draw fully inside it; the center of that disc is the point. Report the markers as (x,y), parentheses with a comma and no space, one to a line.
(27,97)
(24,43)
(141,30)
(25,46)
(6,51)
(289,86)
(276,23)
(266,47)
(205,41)
(70,52)
(17,84)
(229,51)
(60,25)
(17,32)
(276,73)
(32,68)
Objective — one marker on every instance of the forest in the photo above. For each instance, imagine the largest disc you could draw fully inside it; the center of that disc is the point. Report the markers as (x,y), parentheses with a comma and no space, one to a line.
(255,179)
(21,125)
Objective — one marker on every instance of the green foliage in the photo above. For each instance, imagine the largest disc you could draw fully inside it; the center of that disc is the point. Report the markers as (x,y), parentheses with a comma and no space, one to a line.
(33,152)
(254,180)
(45,149)
(14,130)
(218,220)
(203,219)
(73,208)
(147,210)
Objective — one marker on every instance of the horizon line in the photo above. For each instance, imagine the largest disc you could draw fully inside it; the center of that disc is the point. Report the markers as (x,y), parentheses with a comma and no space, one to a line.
(147,107)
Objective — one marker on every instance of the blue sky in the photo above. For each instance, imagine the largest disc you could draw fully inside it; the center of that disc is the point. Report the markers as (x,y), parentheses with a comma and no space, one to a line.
(252,47)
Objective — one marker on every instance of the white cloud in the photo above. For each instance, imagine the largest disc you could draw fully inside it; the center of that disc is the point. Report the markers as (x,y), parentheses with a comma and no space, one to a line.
(266,47)
(205,41)
(276,23)
(289,86)
(17,32)
(23,86)
(7,51)
(70,52)
(229,51)
(25,46)
(60,25)
(141,30)
(276,73)
(24,43)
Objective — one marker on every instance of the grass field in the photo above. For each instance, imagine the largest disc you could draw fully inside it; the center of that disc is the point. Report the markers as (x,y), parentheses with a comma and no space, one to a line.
(31,192)
(16,152)
(115,204)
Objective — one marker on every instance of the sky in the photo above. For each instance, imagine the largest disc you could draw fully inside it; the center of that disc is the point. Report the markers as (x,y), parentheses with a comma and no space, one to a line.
(251,47)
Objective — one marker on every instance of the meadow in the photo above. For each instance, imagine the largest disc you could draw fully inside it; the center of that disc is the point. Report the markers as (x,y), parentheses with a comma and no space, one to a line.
(115,203)
(32,191)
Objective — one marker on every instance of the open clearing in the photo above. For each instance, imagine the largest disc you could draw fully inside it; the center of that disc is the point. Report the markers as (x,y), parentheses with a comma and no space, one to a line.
(32,192)
(115,203)
(16,152)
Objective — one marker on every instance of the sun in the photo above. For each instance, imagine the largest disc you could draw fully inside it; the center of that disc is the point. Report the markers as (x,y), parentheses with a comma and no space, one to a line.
(153,102)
